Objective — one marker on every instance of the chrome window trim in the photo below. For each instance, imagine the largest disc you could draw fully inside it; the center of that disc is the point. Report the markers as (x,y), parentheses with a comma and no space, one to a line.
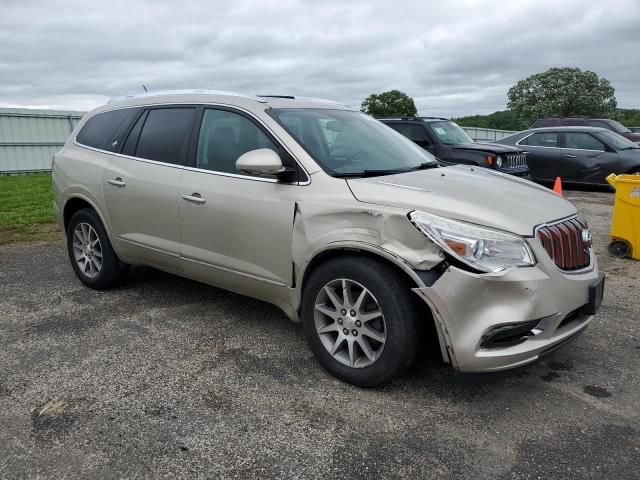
(586,269)
(559,148)
(238,175)
(185,167)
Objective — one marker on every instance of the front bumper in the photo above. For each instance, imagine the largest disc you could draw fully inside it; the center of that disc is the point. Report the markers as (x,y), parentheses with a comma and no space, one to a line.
(469,307)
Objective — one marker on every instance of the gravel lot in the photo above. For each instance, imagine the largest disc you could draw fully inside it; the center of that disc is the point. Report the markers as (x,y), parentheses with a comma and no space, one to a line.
(168,378)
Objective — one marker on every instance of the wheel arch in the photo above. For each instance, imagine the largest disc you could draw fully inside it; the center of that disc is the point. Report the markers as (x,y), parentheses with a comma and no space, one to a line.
(78,202)
(403,269)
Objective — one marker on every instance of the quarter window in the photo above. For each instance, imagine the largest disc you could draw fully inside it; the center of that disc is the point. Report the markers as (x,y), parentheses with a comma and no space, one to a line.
(165,135)
(224,137)
(582,141)
(546,139)
(101,130)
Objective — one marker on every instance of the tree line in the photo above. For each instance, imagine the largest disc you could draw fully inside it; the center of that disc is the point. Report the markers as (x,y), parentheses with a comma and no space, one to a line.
(564,92)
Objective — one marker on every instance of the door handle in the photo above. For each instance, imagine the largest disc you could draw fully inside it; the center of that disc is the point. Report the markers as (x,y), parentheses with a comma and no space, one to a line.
(117,182)
(194,198)
(569,156)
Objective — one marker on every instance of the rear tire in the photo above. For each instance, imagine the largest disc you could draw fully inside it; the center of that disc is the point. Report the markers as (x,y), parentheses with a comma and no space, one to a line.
(90,252)
(377,338)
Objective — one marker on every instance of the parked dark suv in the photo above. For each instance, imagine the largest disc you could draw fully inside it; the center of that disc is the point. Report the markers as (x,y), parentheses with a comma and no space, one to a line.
(588,122)
(451,144)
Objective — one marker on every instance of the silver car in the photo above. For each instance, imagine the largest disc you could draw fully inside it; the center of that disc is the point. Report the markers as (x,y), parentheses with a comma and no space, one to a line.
(337,219)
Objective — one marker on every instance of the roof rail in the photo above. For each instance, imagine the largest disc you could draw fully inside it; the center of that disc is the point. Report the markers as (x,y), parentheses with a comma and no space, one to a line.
(312,99)
(185,92)
(290,97)
(396,117)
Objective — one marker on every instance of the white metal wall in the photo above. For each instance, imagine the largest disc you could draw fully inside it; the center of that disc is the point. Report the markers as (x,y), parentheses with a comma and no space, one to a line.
(487,134)
(29,138)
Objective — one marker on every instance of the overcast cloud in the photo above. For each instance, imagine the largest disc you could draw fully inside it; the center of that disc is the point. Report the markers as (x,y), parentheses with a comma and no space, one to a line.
(454,57)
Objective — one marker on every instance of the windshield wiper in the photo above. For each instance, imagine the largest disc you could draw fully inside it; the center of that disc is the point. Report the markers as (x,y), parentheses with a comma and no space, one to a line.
(426,165)
(390,171)
(371,173)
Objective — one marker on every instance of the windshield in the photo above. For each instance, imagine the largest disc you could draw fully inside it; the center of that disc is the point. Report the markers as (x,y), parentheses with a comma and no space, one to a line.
(616,141)
(618,127)
(450,133)
(349,143)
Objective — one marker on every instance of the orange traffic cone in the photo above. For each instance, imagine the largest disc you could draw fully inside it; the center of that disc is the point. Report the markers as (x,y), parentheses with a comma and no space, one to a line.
(557,186)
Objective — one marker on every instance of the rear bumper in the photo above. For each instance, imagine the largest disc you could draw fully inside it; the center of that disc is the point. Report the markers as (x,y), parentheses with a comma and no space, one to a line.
(543,307)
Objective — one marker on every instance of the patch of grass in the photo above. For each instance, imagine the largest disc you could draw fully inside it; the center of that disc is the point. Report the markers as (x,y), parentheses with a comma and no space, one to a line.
(26,211)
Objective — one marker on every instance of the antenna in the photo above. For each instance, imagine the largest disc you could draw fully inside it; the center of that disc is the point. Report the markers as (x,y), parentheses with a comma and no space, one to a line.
(145,88)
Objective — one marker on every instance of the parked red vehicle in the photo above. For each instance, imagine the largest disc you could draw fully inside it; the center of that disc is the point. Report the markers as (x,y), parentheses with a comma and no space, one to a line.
(588,122)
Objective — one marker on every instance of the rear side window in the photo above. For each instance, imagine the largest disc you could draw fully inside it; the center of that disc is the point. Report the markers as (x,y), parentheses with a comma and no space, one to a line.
(102,129)
(165,135)
(547,139)
(582,141)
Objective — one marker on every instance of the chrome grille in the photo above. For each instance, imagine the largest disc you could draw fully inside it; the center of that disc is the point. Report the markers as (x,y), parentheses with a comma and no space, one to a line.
(566,243)
(516,161)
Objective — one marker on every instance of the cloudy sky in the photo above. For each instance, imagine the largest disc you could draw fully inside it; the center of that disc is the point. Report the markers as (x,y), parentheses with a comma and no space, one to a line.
(454,57)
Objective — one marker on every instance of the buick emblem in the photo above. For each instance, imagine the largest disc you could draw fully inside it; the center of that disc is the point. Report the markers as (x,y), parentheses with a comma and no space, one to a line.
(587,238)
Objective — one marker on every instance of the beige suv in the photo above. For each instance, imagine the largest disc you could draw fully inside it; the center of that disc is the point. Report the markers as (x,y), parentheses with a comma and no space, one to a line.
(335,218)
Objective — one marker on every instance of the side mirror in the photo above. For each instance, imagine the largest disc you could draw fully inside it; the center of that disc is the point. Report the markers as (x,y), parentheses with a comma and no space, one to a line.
(262,161)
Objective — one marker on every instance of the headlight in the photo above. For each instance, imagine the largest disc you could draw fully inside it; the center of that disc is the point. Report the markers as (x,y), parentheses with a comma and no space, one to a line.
(499,162)
(481,248)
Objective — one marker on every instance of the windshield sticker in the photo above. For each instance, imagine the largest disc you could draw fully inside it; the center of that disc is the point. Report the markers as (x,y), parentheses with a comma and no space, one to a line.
(440,130)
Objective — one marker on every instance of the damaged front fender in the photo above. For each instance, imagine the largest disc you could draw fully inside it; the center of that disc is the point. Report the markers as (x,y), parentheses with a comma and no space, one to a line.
(384,231)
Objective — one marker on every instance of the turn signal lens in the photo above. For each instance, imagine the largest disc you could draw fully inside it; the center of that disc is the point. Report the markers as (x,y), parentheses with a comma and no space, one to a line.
(490,160)
(458,247)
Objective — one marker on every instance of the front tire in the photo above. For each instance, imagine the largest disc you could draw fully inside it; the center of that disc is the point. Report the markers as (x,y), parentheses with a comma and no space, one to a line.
(90,252)
(360,320)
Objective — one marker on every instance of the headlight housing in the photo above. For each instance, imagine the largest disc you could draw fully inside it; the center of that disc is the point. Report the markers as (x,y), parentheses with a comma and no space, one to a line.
(499,162)
(479,247)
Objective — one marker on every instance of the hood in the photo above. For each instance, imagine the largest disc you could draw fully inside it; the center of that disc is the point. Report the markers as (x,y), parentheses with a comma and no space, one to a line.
(471,194)
(486,147)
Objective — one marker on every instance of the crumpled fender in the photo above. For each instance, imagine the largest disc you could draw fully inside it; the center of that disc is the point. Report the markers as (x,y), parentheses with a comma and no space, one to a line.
(385,231)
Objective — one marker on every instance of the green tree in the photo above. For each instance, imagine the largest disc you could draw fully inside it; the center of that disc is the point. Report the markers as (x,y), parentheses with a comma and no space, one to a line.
(502,120)
(629,117)
(393,102)
(562,92)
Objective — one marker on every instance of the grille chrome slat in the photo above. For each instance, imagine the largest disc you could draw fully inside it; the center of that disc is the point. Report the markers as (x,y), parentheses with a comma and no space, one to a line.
(565,244)
(515,161)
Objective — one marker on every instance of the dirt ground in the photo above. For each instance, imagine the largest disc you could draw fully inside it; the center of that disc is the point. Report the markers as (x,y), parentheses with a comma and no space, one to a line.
(168,378)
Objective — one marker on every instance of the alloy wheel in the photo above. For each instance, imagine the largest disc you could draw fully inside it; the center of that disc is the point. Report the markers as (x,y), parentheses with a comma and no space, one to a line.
(87,250)
(350,323)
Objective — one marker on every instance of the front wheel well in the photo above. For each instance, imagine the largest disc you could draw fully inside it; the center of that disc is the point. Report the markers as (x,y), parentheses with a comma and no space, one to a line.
(427,329)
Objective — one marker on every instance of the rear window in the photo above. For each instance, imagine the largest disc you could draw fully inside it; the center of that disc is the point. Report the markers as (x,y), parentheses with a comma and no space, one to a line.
(545,122)
(165,135)
(102,129)
(416,133)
